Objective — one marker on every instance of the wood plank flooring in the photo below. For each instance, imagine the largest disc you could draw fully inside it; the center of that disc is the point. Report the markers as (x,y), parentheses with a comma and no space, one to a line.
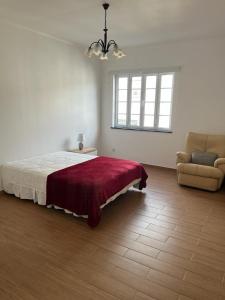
(165,243)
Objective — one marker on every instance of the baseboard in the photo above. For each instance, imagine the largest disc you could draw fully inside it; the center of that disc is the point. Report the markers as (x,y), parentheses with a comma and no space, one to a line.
(160,167)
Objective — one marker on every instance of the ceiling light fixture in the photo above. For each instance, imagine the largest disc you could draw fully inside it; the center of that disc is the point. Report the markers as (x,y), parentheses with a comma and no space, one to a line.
(101,48)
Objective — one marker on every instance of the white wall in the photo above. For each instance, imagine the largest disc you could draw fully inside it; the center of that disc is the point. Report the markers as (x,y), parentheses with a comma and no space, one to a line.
(49,92)
(199,103)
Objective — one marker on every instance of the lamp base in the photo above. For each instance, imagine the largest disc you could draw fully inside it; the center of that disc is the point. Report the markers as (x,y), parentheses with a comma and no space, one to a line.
(81,146)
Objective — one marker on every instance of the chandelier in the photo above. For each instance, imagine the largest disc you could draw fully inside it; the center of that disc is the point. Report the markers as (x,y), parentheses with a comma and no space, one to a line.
(101,48)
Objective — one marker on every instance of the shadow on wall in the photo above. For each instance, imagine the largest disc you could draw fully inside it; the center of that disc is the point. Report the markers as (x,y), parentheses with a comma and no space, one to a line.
(66,144)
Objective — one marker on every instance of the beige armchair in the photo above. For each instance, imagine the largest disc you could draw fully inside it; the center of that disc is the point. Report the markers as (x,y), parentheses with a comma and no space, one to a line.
(201,176)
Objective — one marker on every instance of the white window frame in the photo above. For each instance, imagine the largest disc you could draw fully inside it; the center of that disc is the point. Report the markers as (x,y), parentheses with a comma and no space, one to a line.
(158,74)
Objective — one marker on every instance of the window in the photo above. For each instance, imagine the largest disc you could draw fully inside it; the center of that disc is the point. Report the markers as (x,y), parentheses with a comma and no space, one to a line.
(144,102)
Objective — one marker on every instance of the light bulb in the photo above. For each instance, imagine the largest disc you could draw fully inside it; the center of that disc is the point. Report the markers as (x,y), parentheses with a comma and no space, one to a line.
(120,54)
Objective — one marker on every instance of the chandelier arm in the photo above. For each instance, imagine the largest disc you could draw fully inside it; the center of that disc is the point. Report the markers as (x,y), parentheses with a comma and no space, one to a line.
(100,41)
(110,43)
(92,44)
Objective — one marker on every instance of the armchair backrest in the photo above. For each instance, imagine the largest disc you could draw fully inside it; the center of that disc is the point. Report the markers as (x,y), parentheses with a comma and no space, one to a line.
(206,143)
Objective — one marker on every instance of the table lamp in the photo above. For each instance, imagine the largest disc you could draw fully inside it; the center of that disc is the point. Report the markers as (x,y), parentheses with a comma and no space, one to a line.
(80,139)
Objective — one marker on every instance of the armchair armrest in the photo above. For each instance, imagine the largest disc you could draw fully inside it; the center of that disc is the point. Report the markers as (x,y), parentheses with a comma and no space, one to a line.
(183,157)
(220,164)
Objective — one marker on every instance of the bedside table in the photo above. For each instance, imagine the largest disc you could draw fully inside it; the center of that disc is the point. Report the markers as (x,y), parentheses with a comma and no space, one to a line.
(90,151)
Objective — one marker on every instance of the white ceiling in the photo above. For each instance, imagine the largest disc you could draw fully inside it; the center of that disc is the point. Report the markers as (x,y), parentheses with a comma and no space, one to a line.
(131,22)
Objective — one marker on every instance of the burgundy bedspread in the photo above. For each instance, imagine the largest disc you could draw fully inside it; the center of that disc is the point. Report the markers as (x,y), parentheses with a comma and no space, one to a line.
(84,187)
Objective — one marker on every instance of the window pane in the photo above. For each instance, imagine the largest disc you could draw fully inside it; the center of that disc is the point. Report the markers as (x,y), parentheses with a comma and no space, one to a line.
(164,121)
(149,121)
(167,81)
(122,119)
(166,95)
(149,108)
(165,108)
(122,95)
(135,120)
(150,95)
(123,81)
(135,108)
(151,82)
(122,107)
(136,95)
(136,82)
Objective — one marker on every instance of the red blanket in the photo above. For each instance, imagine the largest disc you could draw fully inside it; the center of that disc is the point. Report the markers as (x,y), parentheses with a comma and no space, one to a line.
(84,187)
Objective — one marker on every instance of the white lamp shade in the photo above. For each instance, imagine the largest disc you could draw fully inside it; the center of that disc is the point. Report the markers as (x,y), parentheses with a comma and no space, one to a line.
(80,137)
(104,56)
(97,50)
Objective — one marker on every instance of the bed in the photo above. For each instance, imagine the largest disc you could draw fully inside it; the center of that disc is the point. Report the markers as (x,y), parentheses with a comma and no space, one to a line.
(56,179)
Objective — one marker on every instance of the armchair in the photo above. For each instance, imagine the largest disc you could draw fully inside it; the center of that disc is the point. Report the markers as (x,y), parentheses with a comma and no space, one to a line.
(202,176)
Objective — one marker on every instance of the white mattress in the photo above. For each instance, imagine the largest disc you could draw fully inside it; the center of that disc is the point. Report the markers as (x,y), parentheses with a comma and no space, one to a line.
(27,178)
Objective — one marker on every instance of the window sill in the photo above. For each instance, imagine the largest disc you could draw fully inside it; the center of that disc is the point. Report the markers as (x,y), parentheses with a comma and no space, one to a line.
(142,129)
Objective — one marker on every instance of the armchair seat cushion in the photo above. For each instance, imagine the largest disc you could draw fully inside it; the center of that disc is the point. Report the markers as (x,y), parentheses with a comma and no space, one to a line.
(200,170)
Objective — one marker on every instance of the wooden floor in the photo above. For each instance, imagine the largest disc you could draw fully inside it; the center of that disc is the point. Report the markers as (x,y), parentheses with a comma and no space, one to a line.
(165,243)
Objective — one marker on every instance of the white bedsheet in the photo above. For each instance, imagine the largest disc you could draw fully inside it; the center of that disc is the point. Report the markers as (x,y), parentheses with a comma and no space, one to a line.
(27,178)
